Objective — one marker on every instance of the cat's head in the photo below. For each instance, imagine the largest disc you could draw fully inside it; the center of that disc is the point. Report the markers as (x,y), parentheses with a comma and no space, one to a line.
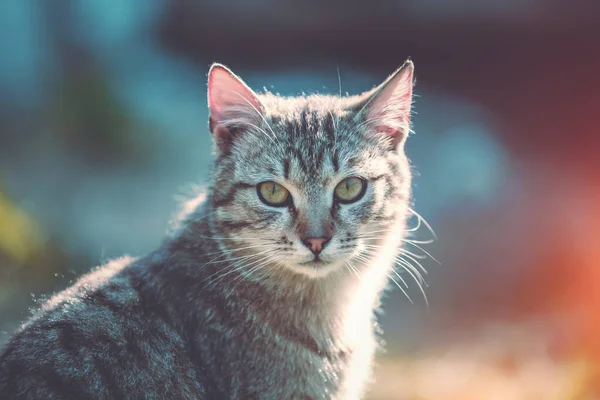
(308,183)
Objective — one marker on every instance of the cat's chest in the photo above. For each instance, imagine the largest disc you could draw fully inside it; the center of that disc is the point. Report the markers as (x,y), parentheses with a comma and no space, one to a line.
(297,370)
(299,367)
(267,354)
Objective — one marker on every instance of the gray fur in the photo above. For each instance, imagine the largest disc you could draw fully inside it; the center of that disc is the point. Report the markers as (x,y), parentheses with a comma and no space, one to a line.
(227,308)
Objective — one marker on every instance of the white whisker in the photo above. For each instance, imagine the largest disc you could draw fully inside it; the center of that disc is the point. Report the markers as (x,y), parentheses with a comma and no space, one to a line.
(339,80)
(248,272)
(239,264)
(423,250)
(259,114)
(412,271)
(400,287)
(227,252)
(424,222)
(352,268)
(417,278)
(401,255)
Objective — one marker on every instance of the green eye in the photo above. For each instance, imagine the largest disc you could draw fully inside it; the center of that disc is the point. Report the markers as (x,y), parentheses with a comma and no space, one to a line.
(273,194)
(350,190)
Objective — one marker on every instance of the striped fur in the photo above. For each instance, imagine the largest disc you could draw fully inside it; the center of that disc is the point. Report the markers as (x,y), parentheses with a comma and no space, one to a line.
(227,307)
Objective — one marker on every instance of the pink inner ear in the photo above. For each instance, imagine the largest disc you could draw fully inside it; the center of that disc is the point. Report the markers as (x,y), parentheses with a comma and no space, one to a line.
(395,135)
(229,98)
(389,111)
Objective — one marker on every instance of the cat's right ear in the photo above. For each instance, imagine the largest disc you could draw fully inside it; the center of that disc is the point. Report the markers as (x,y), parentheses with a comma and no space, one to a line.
(232,106)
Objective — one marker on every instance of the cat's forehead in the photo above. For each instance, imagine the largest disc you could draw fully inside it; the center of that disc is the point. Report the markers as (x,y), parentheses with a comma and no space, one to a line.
(306,162)
(310,120)
(316,139)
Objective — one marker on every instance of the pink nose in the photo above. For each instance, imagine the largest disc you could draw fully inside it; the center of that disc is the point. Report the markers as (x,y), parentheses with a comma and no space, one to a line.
(316,244)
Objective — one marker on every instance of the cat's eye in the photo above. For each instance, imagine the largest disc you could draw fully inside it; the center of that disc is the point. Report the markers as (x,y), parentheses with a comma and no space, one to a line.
(350,190)
(273,194)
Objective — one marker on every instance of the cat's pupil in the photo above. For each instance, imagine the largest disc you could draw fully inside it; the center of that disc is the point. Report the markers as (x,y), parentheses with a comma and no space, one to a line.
(350,183)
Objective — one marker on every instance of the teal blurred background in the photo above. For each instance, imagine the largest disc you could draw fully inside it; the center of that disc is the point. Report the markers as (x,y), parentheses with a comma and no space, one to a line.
(103,123)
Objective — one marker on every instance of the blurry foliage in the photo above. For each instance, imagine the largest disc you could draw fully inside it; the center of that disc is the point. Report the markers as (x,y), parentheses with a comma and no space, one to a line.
(29,261)
(19,236)
(80,124)
(94,124)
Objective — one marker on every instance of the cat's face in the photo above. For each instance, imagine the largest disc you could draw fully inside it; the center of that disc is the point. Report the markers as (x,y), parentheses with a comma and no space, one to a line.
(311,183)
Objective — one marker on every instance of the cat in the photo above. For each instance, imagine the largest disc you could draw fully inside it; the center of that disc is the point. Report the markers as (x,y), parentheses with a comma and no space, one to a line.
(268,287)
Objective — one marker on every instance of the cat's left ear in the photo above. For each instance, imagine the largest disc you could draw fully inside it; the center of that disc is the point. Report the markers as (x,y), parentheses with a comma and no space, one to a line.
(386,109)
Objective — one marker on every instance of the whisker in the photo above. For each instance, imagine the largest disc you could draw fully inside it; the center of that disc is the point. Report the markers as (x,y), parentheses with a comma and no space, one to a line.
(400,287)
(416,228)
(243,257)
(398,257)
(409,242)
(224,271)
(339,79)
(414,260)
(231,251)
(228,238)
(365,259)
(417,256)
(408,267)
(259,114)
(419,282)
(429,241)
(424,251)
(352,268)
(403,265)
(420,221)
(248,273)
(263,131)
(424,222)
(269,261)
(377,231)
(226,252)
(235,267)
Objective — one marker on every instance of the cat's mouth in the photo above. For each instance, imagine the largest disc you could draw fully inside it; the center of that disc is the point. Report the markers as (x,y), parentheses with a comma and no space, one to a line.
(315,268)
(316,262)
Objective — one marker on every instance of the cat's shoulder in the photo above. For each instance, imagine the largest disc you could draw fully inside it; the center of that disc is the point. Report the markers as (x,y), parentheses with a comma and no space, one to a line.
(106,286)
(51,347)
(97,299)
(94,333)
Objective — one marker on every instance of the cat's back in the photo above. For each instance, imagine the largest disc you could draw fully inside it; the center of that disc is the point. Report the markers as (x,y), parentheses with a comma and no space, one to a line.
(102,338)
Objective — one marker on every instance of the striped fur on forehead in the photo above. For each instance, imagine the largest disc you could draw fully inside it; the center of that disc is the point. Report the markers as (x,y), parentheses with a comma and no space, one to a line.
(315,133)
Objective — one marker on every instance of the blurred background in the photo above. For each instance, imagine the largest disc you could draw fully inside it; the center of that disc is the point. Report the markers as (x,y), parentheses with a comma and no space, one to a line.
(103,121)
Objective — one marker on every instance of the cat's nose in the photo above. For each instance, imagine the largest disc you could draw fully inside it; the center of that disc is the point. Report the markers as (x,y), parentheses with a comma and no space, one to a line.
(316,244)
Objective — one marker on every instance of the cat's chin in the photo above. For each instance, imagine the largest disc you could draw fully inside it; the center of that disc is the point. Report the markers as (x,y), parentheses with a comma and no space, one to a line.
(315,269)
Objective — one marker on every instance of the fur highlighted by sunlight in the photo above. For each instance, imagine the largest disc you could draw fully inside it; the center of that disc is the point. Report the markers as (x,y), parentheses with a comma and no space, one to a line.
(267,287)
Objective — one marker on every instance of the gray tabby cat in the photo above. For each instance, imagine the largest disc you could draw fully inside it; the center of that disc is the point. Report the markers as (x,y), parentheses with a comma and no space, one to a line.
(268,287)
